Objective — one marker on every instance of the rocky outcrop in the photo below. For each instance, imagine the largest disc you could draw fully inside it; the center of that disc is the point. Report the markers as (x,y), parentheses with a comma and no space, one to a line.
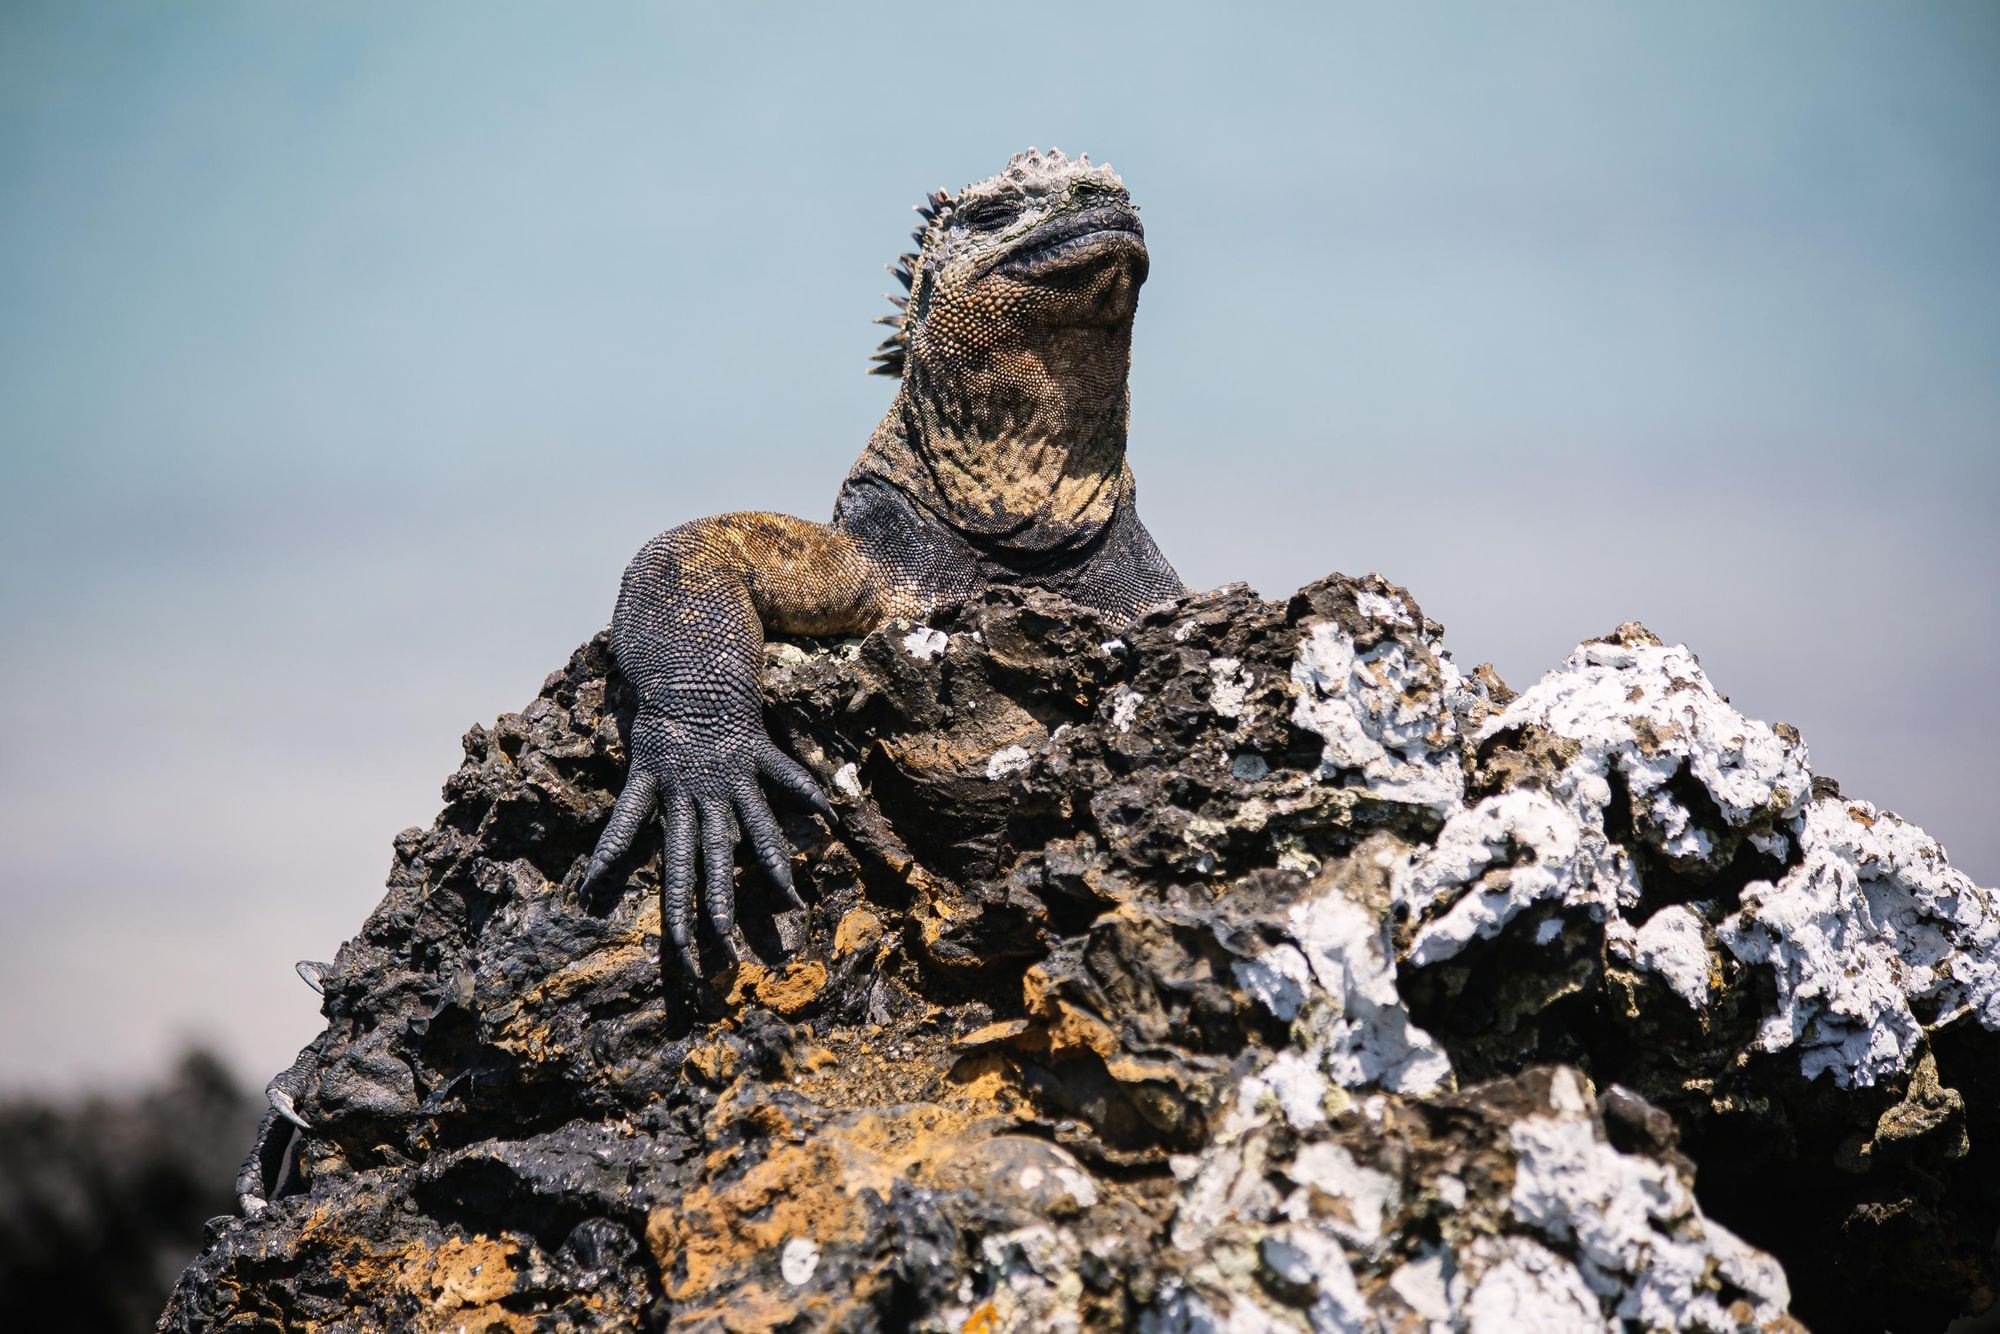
(1250,967)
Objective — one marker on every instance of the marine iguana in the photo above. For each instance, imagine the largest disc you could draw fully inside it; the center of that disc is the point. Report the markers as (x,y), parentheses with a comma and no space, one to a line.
(1001,461)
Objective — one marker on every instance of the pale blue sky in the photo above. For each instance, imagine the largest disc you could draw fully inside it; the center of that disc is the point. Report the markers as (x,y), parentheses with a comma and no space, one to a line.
(347,352)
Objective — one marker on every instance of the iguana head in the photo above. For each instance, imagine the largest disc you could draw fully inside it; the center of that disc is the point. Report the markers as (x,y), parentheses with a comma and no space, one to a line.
(1050,245)
(1013,348)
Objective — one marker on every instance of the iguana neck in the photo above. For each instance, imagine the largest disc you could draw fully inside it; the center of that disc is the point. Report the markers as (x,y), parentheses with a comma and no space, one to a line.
(1018,448)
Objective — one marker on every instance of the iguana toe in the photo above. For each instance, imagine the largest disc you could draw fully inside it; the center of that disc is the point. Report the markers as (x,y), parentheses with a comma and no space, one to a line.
(767,840)
(677,873)
(628,816)
(718,848)
(794,778)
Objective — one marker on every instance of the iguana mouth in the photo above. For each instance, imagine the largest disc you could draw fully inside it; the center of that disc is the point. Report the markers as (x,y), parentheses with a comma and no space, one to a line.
(1087,239)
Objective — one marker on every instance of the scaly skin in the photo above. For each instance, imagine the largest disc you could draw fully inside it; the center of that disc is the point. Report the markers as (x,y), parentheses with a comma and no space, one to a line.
(1001,461)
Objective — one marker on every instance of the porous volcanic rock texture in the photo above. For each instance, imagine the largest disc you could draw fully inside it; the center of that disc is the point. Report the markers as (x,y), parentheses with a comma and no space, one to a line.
(1250,967)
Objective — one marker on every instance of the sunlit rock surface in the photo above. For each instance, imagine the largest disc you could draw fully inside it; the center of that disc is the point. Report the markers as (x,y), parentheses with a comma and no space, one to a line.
(1251,967)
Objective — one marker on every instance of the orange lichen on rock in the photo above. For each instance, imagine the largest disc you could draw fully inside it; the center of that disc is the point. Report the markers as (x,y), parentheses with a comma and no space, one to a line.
(475,1272)
(459,1284)
(520,1023)
(993,1034)
(787,990)
(808,1183)
(859,929)
(986,1076)
(714,1062)
(718,1230)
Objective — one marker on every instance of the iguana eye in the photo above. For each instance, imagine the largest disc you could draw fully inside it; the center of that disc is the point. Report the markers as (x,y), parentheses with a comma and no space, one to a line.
(990,214)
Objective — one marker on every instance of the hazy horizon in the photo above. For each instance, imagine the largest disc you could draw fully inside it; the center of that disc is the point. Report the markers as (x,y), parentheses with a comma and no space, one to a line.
(349,353)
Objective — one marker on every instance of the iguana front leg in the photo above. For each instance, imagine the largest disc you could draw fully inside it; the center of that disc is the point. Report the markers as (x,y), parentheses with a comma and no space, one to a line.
(689,635)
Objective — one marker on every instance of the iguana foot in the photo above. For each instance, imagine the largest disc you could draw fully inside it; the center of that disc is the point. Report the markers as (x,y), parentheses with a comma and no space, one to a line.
(272,1158)
(709,799)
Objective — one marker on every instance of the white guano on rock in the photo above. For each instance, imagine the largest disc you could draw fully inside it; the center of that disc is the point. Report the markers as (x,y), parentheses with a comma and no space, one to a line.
(1382,712)
(1632,1226)
(1869,920)
(1866,927)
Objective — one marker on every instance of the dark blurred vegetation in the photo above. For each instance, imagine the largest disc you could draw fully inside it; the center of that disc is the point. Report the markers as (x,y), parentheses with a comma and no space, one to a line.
(102,1198)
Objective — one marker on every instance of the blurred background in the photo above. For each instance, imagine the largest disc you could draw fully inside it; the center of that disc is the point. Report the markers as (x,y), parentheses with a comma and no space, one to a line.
(348,352)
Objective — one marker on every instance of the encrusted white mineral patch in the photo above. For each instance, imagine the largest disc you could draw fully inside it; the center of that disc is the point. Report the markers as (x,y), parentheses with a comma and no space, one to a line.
(1078,1184)
(1231,686)
(1388,610)
(1279,979)
(1008,760)
(1524,1285)
(1672,946)
(1382,712)
(924,643)
(1369,1196)
(1864,929)
(1034,1280)
(1599,1230)
(1336,984)
(1337,1301)
(1646,712)
(1869,920)
(1361,1030)
(1590,1232)
(1125,703)
(1636,1232)
(798,1260)
(1295,1082)
(1492,862)
(1426,1285)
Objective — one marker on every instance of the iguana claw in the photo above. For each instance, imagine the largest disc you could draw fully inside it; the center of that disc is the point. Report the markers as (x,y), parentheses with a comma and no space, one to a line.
(282,1102)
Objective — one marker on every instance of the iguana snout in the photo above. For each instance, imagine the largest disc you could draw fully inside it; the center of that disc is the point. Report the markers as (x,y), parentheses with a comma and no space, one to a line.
(1089,238)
